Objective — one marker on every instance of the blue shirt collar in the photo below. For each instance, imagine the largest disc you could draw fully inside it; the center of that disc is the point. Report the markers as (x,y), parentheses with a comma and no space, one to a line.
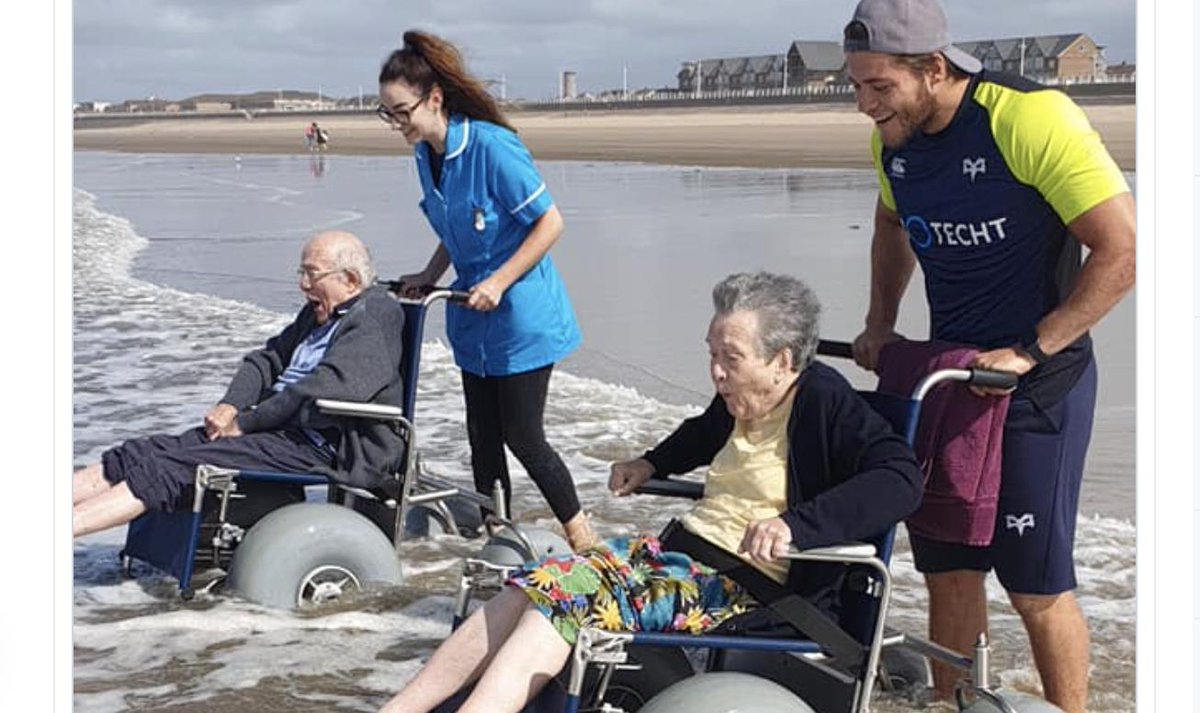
(458,132)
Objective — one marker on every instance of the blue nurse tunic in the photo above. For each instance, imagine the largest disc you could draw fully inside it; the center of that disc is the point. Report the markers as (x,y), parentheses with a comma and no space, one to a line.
(489,197)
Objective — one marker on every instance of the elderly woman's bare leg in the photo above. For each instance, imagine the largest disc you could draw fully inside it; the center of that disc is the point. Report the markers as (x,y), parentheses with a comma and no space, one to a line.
(88,482)
(533,654)
(115,506)
(464,656)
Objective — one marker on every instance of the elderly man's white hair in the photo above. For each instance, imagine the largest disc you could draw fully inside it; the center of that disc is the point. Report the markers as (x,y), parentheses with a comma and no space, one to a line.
(346,252)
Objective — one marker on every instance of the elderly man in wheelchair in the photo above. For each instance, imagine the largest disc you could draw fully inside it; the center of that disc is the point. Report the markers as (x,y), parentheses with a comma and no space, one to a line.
(344,344)
(796,458)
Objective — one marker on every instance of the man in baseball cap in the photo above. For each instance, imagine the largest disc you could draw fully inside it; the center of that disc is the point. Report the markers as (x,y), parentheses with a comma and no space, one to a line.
(993,183)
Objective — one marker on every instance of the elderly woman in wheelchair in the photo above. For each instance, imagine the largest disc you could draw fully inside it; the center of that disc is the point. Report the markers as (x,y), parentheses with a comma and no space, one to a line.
(795,457)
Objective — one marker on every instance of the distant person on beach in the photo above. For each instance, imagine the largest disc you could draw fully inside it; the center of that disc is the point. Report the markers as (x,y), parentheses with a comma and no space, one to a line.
(310,136)
(322,137)
(486,201)
(795,458)
(344,344)
(994,184)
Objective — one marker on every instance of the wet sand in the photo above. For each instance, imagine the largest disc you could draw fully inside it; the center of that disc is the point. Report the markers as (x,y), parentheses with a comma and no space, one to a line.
(833,136)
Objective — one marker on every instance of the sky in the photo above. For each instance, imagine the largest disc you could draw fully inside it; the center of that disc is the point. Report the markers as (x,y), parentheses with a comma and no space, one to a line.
(173,49)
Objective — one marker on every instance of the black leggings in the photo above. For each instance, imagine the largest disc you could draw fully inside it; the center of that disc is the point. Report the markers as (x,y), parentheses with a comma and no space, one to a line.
(507,410)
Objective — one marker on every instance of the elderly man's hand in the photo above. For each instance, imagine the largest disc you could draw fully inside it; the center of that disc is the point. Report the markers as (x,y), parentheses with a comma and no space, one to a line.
(628,476)
(766,540)
(218,419)
(1011,359)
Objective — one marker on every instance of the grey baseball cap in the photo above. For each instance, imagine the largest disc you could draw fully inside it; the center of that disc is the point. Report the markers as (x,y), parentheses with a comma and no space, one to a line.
(904,27)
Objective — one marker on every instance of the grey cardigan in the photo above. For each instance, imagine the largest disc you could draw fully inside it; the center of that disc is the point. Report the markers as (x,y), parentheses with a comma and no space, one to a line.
(361,364)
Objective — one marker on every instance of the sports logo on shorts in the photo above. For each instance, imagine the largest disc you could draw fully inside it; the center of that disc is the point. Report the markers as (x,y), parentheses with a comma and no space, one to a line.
(897,169)
(1019,523)
(974,166)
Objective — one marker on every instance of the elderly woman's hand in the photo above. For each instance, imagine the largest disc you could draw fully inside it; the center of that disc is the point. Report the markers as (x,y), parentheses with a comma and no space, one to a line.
(628,476)
(766,540)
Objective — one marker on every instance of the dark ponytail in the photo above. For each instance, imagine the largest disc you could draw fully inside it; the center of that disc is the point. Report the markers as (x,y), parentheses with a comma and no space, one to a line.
(427,59)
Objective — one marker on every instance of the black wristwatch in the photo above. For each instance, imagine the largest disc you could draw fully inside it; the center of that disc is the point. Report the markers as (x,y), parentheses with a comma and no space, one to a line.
(1034,350)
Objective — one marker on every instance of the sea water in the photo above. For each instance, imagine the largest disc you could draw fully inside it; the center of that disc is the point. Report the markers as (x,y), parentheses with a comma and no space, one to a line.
(182,263)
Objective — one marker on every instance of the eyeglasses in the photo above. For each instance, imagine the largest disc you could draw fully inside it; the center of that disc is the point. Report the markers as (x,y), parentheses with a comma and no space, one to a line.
(398,117)
(311,276)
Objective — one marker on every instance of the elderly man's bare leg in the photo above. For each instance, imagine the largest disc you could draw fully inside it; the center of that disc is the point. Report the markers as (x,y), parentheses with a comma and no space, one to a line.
(87,483)
(116,506)
(1058,635)
(957,615)
(463,657)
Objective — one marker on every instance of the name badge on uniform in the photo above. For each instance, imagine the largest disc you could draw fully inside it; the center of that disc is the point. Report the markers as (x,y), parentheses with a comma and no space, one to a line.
(480,221)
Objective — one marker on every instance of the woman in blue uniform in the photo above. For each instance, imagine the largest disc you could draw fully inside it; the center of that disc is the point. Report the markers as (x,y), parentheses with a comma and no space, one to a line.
(496,223)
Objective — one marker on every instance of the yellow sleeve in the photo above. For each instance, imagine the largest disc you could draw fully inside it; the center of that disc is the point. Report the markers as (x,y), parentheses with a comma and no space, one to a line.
(885,186)
(1050,145)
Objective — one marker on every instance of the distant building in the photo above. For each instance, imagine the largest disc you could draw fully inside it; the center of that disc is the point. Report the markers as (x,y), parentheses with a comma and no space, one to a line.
(805,64)
(1053,59)
(568,90)
(142,106)
(91,107)
(1123,72)
(280,100)
(815,64)
(1056,59)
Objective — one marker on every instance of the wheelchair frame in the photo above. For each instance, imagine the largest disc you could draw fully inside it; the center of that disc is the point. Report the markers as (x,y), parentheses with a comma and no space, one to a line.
(608,649)
(155,537)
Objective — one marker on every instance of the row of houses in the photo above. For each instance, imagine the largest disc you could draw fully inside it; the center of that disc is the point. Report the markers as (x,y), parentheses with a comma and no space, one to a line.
(281,100)
(1052,59)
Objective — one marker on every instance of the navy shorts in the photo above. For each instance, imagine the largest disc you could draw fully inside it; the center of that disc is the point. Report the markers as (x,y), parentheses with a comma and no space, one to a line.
(1033,545)
(160,470)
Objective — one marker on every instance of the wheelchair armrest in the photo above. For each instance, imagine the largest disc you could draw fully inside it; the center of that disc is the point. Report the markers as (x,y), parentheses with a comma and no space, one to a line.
(672,488)
(355,409)
(844,552)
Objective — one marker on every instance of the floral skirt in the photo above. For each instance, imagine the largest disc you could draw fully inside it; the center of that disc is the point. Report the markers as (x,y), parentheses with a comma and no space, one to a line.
(630,584)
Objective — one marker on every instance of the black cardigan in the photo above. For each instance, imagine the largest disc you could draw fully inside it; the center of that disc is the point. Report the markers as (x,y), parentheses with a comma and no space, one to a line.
(850,477)
(362,364)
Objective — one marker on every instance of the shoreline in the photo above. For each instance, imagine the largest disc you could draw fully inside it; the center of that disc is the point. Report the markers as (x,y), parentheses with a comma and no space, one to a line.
(825,136)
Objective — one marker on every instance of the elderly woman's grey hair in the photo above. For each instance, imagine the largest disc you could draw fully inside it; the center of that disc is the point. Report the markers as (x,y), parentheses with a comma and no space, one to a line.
(788,312)
(353,256)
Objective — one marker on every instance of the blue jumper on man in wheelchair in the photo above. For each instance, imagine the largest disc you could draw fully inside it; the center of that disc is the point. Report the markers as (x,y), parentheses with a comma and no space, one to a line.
(281,551)
(830,662)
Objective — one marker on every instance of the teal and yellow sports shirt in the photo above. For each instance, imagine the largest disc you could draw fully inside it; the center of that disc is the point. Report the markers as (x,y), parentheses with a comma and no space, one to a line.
(986,203)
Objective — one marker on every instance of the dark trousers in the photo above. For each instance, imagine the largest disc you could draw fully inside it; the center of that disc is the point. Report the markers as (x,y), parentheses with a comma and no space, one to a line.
(508,410)
(160,470)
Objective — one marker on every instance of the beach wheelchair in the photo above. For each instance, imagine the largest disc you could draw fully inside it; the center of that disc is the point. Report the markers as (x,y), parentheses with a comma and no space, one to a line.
(831,668)
(281,551)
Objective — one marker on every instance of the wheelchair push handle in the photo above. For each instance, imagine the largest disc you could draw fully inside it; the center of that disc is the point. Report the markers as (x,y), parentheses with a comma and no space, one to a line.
(992,379)
(829,347)
(987,378)
(429,293)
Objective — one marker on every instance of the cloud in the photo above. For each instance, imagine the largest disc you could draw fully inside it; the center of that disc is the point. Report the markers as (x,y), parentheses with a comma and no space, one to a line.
(177,48)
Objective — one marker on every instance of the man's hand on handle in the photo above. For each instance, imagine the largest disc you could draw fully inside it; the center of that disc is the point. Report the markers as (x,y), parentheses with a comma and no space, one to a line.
(866,346)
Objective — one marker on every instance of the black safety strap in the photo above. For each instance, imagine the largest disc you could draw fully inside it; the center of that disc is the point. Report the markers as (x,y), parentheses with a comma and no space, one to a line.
(789,606)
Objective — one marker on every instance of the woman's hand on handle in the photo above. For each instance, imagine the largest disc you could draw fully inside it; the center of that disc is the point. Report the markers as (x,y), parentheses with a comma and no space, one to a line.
(486,295)
(414,286)
(628,476)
